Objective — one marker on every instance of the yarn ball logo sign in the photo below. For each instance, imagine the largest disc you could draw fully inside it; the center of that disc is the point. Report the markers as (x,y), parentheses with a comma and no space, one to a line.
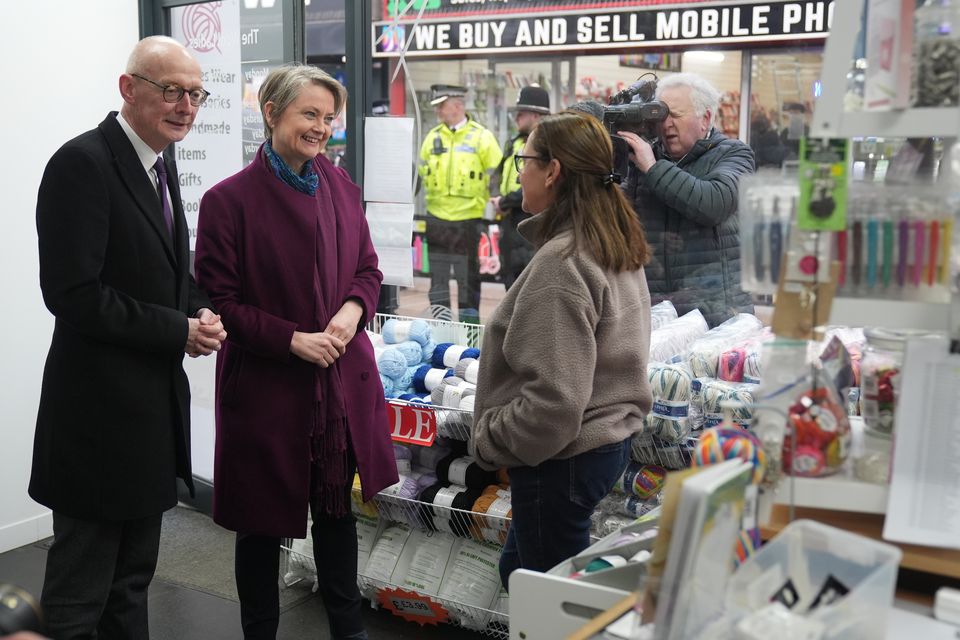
(412,606)
(412,424)
(201,26)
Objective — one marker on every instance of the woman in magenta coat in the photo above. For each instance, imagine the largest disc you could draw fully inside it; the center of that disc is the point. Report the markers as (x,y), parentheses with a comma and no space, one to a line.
(284,251)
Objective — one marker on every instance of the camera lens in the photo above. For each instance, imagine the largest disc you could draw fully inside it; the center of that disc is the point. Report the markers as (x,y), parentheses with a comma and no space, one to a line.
(18,611)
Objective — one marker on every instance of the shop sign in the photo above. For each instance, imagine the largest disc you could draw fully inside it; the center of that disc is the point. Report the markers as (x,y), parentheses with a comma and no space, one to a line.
(462,8)
(412,424)
(412,606)
(706,24)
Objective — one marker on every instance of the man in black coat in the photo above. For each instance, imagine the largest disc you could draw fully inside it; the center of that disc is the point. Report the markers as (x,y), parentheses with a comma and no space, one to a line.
(685,189)
(113,426)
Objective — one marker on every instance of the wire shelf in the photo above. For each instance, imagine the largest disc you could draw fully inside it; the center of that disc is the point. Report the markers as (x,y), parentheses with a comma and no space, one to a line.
(431,517)
(648,449)
(461,333)
(493,624)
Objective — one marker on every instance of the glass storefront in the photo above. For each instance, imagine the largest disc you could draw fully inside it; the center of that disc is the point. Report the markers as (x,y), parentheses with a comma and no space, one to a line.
(764,61)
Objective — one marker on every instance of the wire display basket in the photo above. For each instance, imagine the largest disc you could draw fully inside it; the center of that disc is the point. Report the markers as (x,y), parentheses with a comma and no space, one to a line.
(493,624)
(461,333)
(432,517)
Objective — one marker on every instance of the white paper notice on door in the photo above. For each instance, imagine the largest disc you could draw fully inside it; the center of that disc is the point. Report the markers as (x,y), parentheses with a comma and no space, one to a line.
(391,231)
(924,503)
(388,163)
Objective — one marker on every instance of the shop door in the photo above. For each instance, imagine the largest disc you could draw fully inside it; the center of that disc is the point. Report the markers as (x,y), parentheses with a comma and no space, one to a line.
(236,42)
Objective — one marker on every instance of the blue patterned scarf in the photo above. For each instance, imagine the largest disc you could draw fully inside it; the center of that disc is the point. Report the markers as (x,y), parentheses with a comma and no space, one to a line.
(306,183)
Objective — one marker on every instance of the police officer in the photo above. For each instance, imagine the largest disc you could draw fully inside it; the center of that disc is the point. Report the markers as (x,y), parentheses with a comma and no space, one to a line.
(456,159)
(515,252)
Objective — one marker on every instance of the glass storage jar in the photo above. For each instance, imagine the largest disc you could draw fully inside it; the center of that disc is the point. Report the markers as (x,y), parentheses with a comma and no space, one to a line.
(936,48)
(880,375)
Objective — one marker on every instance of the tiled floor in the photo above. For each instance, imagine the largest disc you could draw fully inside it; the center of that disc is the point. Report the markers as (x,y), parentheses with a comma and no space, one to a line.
(179,613)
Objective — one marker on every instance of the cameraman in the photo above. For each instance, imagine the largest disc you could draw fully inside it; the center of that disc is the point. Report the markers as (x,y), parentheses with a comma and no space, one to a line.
(685,190)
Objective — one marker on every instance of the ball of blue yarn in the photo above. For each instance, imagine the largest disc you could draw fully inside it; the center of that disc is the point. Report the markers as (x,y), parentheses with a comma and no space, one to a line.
(419,378)
(426,352)
(392,364)
(411,350)
(439,354)
(395,331)
(387,384)
(405,382)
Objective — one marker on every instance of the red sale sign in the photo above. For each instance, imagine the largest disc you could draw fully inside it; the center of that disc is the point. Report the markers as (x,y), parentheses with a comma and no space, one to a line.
(412,424)
(412,606)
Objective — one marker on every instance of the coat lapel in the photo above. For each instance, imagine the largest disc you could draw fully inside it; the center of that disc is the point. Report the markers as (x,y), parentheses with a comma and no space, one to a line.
(138,183)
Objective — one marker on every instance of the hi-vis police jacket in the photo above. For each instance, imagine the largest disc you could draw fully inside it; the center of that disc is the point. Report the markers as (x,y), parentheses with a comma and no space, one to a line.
(454,166)
(509,178)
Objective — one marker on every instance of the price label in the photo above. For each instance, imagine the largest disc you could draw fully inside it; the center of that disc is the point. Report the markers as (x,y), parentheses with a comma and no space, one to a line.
(412,606)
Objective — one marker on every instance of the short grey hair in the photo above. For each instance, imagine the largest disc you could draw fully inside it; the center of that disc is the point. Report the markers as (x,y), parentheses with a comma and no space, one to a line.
(704,95)
(283,85)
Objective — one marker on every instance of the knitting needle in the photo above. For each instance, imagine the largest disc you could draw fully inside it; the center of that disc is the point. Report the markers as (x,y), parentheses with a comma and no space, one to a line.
(872,238)
(918,241)
(842,256)
(947,237)
(934,246)
(904,246)
(887,251)
(856,271)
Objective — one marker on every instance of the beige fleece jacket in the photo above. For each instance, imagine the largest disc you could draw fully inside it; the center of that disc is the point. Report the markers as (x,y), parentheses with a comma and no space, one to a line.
(563,368)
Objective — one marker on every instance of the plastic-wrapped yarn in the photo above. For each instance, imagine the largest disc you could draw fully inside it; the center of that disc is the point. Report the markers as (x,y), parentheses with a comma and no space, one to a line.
(472,579)
(386,552)
(673,338)
(751,364)
(467,402)
(448,354)
(703,356)
(427,378)
(713,393)
(670,387)
(661,314)
(467,369)
(741,363)
(395,331)
(603,524)
(648,481)
(357,505)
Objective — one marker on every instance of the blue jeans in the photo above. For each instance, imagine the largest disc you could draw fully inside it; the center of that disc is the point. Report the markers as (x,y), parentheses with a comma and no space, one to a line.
(552,504)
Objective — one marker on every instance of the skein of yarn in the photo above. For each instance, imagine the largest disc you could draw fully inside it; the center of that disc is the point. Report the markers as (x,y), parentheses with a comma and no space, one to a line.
(392,363)
(395,331)
(427,378)
(670,387)
(426,351)
(411,351)
(467,369)
(448,354)
(717,445)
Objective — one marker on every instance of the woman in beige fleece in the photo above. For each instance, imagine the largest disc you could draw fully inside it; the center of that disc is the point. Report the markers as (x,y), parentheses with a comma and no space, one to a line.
(563,379)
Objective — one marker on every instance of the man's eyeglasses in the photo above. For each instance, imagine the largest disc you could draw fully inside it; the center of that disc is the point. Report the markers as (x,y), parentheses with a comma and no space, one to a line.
(519,160)
(173,94)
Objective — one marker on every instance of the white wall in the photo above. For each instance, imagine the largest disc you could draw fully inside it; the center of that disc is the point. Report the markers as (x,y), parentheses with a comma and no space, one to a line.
(60,70)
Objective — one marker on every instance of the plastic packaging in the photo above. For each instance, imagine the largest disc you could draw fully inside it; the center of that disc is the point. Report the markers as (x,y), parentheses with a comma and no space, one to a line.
(703,356)
(840,579)
(673,338)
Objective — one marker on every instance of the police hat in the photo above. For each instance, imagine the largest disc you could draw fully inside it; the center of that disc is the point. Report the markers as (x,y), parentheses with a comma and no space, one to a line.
(443,91)
(533,98)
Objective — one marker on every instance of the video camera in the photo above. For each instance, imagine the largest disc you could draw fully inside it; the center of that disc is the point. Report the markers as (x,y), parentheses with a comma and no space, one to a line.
(642,116)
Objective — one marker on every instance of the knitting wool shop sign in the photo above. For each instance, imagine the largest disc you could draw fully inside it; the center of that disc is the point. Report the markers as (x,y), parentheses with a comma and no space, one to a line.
(412,606)
(412,424)
(709,23)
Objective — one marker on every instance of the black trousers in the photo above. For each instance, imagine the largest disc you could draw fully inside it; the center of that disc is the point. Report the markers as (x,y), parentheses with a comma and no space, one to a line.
(257,566)
(97,577)
(453,246)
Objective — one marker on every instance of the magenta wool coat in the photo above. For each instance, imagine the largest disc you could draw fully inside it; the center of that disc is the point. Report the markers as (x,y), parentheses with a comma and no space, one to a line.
(256,256)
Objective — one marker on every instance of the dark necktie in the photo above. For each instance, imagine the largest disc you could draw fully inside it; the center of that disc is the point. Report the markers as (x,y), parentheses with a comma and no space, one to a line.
(162,190)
